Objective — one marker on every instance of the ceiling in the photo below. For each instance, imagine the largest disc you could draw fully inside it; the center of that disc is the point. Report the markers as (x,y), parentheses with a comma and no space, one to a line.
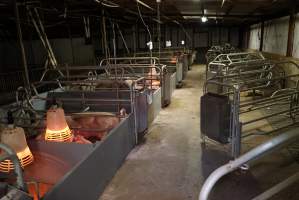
(236,11)
(58,13)
(185,11)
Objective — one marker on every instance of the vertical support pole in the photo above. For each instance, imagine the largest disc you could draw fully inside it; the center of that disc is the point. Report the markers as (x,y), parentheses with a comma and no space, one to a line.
(241,38)
(238,140)
(177,37)
(291,33)
(134,40)
(170,34)
(262,36)
(114,40)
(247,36)
(104,34)
(71,42)
(211,37)
(219,35)
(193,39)
(21,44)
(123,39)
(159,28)
(236,126)
(137,37)
(228,35)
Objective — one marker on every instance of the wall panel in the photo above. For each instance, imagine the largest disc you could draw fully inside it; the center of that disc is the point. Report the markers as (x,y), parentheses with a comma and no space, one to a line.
(255,37)
(276,36)
(296,38)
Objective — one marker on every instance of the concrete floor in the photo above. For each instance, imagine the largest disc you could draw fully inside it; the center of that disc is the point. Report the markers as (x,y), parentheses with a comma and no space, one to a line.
(172,165)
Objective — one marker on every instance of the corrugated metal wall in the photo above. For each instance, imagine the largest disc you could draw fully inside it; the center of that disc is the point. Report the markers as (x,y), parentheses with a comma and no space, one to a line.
(275,36)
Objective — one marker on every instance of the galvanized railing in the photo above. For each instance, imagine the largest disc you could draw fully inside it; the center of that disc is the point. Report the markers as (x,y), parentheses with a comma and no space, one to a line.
(256,153)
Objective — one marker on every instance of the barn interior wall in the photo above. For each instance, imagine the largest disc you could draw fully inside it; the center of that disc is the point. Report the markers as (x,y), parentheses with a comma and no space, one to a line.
(75,51)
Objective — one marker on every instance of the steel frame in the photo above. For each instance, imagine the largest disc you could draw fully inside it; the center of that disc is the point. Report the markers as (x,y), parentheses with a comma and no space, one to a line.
(225,64)
(234,88)
(140,67)
(216,50)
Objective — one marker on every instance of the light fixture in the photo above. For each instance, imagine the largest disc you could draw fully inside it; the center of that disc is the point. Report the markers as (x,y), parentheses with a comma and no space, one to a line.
(183,42)
(57,128)
(168,43)
(15,138)
(204,19)
(150,45)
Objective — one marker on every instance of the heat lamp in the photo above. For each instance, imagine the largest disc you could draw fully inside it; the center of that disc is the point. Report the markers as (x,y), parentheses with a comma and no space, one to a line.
(57,128)
(15,138)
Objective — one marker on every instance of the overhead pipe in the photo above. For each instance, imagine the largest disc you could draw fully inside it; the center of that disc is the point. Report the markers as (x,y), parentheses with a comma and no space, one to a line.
(104,35)
(122,38)
(20,40)
(43,40)
(256,153)
(144,4)
(45,37)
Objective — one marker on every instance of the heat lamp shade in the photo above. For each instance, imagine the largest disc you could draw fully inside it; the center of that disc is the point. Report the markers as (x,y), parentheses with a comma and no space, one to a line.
(15,138)
(57,128)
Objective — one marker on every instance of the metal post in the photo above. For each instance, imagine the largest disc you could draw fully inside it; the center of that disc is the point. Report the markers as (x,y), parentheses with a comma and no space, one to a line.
(71,42)
(45,37)
(104,34)
(134,40)
(159,29)
(262,36)
(241,42)
(20,39)
(236,127)
(123,39)
(114,40)
(291,31)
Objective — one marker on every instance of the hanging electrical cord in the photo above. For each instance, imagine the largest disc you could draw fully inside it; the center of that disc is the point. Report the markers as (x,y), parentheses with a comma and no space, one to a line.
(104,36)
(113,38)
(147,28)
(184,30)
(107,3)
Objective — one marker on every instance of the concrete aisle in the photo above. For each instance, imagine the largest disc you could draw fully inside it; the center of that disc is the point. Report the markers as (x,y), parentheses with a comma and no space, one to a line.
(167,166)
(172,165)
